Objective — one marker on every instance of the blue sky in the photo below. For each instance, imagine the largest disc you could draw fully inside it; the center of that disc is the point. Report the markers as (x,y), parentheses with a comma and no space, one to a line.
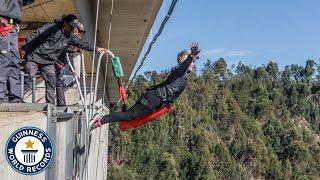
(252,31)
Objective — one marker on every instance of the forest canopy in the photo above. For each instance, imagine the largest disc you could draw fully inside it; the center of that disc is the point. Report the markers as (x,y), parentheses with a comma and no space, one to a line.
(241,123)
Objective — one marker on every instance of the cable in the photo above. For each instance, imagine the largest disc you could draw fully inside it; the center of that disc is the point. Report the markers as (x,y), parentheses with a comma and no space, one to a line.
(77,82)
(104,85)
(94,55)
(97,79)
(95,96)
(105,170)
(84,85)
(108,46)
(165,20)
(87,137)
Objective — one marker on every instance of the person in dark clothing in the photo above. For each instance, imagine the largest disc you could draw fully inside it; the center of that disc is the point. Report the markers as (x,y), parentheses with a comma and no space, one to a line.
(43,48)
(159,95)
(62,64)
(60,71)
(10,17)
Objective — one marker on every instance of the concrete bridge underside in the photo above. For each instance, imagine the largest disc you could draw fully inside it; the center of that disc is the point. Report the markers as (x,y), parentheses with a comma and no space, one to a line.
(131,23)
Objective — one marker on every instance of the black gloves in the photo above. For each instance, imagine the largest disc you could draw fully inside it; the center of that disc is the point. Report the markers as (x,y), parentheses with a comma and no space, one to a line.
(195,50)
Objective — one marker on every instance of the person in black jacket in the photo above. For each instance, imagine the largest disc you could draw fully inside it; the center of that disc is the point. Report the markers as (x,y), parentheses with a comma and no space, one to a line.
(159,95)
(62,63)
(10,17)
(43,48)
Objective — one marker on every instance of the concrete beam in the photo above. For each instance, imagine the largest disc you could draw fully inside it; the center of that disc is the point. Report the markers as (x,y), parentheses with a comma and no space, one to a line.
(131,23)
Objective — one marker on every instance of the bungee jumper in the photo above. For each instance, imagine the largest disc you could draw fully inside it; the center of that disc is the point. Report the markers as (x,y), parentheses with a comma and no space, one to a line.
(157,99)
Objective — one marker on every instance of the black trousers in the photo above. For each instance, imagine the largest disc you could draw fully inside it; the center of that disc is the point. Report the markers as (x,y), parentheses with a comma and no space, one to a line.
(137,110)
(10,85)
(60,87)
(48,74)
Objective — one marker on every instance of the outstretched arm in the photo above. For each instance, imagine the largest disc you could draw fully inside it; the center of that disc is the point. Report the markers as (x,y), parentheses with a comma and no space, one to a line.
(183,68)
(80,43)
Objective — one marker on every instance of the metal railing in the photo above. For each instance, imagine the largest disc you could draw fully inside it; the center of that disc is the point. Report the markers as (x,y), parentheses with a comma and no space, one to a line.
(33,85)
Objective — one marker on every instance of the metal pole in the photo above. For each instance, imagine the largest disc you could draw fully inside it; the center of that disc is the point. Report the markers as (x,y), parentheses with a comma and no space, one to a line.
(22,84)
(33,89)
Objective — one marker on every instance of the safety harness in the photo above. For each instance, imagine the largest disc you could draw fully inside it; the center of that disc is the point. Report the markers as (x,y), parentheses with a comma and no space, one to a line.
(125,125)
(5,26)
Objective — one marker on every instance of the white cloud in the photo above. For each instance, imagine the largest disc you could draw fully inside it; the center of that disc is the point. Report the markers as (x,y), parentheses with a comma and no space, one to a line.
(226,53)
(238,53)
(212,52)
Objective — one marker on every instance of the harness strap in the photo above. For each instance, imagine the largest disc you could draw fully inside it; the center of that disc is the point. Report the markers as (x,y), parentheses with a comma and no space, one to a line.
(122,90)
(162,95)
(5,26)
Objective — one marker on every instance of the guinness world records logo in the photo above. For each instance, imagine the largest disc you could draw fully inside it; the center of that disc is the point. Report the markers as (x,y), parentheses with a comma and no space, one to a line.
(29,150)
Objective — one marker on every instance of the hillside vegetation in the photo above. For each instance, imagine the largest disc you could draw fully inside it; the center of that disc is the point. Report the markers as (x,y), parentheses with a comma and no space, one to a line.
(244,123)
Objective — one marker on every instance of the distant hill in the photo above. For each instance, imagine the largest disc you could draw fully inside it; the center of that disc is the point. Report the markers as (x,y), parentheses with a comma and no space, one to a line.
(245,123)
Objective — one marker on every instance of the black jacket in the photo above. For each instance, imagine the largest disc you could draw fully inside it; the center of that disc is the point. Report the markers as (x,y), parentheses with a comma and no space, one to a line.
(12,9)
(175,83)
(46,45)
(62,59)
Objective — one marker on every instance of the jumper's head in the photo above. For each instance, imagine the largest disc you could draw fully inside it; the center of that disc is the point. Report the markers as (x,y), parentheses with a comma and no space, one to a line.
(182,56)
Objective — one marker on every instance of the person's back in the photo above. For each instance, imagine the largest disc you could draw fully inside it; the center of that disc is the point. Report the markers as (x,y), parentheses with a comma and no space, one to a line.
(47,44)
